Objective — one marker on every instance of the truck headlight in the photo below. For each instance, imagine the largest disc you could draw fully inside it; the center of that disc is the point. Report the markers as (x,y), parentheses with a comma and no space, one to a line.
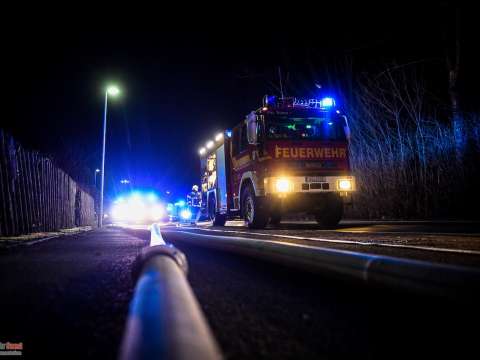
(344,184)
(282,185)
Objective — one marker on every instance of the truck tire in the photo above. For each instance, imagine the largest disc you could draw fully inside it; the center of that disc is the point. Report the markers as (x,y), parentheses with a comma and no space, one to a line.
(332,213)
(217,218)
(252,210)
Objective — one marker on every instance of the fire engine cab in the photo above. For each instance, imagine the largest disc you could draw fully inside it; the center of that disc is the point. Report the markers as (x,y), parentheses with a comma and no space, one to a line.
(289,156)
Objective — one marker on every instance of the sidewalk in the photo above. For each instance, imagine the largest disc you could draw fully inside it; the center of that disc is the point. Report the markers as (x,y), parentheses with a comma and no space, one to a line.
(68,296)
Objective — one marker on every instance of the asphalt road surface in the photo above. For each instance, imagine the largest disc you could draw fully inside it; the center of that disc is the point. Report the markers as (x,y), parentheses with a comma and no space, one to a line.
(259,309)
(69,297)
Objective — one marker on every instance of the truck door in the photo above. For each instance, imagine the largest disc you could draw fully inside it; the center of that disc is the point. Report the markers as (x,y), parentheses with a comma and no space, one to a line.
(240,159)
(221,180)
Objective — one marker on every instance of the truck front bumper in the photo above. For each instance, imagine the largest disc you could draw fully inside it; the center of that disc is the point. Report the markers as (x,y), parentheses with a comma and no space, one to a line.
(306,193)
(287,185)
(299,203)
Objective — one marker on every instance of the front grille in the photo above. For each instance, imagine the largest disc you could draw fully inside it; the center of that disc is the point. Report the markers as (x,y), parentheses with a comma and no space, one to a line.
(315,179)
(319,186)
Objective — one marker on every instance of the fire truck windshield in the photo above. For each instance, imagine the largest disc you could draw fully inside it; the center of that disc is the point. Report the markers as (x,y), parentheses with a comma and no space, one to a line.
(304,128)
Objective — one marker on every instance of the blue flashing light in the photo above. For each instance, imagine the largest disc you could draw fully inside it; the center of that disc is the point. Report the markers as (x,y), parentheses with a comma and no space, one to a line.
(186,214)
(152,197)
(136,196)
(327,102)
(229,133)
(330,123)
(270,100)
(180,203)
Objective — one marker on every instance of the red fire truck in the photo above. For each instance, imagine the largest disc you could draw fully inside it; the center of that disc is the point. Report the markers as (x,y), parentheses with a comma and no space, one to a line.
(289,156)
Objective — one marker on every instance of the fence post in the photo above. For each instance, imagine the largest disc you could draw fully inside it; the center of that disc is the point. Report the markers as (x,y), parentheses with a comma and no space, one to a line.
(5,193)
(10,187)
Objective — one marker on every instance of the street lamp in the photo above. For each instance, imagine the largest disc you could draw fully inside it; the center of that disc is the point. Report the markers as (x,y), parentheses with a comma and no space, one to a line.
(112,91)
(96,172)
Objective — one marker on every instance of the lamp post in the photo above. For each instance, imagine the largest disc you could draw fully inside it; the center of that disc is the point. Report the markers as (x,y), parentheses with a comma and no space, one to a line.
(96,172)
(113,91)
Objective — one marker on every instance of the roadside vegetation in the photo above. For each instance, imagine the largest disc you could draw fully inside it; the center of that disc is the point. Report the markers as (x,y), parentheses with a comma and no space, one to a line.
(413,158)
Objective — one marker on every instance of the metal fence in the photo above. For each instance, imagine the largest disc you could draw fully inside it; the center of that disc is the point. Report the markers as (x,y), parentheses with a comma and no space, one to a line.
(35,195)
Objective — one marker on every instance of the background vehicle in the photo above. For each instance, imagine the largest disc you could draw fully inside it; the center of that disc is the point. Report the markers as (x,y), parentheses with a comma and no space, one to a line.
(290,155)
(138,208)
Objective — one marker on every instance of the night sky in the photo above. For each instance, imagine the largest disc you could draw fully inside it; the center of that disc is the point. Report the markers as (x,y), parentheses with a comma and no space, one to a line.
(182,81)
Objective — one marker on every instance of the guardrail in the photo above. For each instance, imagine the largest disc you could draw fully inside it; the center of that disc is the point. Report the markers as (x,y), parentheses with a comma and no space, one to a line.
(165,320)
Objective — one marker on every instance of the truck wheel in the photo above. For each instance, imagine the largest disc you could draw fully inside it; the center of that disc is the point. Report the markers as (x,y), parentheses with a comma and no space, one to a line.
(332,213)
(218,219)
(275,218)
(254,214)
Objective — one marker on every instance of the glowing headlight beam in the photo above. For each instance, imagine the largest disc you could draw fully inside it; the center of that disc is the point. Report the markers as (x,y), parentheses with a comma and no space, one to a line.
(282,185)
(120,212)
(344,184)
(157,212)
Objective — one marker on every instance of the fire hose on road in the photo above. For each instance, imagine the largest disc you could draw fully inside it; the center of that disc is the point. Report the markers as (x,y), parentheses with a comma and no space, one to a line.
(165,320)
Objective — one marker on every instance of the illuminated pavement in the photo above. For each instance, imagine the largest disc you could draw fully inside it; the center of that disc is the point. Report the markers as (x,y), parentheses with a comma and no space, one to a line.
(456,243)
(451,242)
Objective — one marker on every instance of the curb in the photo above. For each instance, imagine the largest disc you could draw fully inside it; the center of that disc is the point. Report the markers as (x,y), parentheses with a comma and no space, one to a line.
(56,234)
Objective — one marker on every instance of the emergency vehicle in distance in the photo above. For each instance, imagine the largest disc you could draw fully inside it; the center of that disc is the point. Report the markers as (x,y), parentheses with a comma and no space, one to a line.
(289,156)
